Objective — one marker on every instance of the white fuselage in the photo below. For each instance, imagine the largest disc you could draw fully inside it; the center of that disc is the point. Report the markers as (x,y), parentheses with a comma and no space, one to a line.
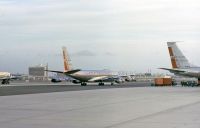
(190,72)
(5,75)
(92,75)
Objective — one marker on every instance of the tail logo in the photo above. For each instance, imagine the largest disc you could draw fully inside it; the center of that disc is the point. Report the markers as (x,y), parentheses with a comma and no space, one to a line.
(66,60)
(173,59)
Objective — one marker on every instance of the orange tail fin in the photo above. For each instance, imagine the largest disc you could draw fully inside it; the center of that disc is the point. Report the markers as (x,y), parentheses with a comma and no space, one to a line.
(67,66)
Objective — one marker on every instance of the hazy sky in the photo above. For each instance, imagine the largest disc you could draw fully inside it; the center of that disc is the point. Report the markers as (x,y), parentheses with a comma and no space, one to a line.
(99,34)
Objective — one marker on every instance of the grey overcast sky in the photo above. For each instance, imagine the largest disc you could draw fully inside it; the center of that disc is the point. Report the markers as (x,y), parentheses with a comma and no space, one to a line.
(99,34)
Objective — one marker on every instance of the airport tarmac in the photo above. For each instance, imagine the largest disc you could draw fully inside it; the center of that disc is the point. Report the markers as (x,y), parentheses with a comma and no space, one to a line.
(31,88)
(141,107)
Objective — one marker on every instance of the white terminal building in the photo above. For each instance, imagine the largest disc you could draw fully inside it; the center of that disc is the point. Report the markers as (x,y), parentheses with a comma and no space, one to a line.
(38,73)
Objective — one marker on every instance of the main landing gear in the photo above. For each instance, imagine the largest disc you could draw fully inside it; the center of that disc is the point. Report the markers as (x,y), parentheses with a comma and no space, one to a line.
(101,84)
(83,84)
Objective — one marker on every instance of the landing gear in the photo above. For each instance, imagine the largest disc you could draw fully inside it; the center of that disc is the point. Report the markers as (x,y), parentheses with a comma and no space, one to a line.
(83,84)
(112,83)
(6,81)
(101,84)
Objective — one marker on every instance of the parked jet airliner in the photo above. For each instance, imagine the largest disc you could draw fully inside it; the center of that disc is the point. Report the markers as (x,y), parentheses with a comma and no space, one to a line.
(5,77)
(84,76)
(180,64)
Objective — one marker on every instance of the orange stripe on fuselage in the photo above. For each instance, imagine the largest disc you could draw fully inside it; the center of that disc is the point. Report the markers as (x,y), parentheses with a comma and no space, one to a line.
(173,60)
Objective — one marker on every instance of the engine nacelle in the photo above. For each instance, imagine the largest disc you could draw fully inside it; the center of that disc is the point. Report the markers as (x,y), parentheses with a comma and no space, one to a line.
(76,82)
(120,80)
(55,80)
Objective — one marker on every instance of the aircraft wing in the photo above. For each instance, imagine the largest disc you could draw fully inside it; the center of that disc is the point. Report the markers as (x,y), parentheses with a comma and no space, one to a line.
(67,73)
(72,71)
(54,71)
(173,70)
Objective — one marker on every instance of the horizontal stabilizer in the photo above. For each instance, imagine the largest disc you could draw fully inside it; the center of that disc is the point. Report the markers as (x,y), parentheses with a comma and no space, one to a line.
(54,71)
(173,70)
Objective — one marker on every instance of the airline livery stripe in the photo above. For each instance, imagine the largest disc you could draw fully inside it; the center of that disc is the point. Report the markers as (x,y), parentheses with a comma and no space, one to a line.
(173,60)
(171,51)
(174,65)
(64,55)
(66,67)
(66,63)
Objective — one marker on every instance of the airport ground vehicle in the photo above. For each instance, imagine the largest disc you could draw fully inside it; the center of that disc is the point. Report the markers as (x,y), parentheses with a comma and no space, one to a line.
(189,83)
(163,81)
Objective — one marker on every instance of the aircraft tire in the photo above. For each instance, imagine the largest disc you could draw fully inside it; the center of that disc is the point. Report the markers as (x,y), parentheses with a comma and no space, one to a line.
(101,84)
(83,84)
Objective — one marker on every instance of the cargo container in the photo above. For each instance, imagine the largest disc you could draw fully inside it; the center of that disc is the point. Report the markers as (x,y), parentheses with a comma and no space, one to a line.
(163,81)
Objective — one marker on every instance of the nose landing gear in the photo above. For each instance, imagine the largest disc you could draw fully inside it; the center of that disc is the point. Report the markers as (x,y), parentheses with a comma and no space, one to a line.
(5,81)
(101,84)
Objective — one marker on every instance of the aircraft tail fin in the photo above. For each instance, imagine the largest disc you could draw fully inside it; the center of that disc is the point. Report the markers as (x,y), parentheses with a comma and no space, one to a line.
(178,60)
(66,59)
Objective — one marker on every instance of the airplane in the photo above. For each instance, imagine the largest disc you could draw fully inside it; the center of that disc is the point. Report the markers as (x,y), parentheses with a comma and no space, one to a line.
(85,76)
(5,77)
(180,64)
(128,78)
